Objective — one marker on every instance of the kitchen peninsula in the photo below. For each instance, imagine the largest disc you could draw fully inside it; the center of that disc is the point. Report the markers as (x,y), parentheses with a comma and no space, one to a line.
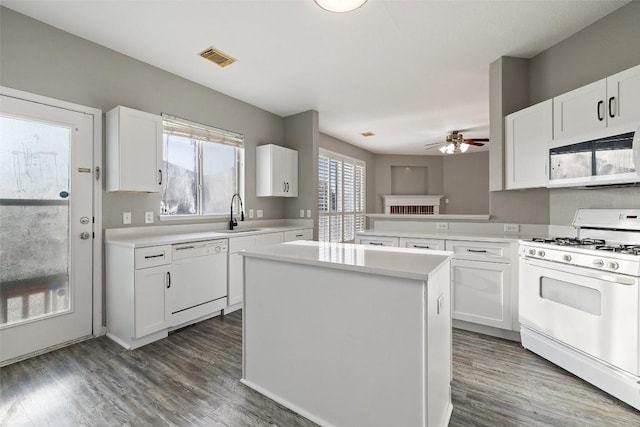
(350,335)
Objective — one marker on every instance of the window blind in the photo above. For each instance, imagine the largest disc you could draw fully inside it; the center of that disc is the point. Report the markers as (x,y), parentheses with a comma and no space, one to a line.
(201,132)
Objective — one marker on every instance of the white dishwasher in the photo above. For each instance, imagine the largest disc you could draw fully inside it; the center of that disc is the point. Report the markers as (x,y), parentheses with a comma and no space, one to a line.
(198,286)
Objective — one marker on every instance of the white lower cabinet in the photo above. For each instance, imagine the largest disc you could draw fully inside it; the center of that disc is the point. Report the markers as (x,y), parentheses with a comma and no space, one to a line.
(377,241)
(138,282)
(482,283)
(150,306)
(236,275)
(433,244)
(481,292)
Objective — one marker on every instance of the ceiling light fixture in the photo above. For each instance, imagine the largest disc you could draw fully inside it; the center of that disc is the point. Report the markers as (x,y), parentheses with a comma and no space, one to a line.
(340,6)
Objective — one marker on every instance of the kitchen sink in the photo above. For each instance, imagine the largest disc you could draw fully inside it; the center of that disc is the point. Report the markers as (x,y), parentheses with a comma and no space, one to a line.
(242,230)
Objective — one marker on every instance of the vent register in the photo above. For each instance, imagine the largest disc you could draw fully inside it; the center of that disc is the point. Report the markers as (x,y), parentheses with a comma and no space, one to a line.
(217,56)
(412,204)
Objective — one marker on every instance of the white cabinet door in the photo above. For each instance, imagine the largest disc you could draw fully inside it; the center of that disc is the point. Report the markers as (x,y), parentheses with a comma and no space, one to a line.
(150,307)
(433,244)
(377,241)
(528,134)
(623,97)
(134,151)
(481,293)
(580,111)
(276,171)
(236,273)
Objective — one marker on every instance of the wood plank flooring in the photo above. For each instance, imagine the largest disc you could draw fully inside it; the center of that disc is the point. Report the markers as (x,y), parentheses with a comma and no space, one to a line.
(191,379)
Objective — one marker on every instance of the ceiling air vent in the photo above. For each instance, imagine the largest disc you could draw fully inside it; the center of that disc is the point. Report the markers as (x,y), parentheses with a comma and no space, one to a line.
(218,57)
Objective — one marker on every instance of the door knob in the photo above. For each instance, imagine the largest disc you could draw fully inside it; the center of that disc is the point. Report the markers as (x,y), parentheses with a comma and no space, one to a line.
(85,235)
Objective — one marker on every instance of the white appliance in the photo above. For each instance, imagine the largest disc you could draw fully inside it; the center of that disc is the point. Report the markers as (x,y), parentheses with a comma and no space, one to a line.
(613,159)
(198,280)
(579,300)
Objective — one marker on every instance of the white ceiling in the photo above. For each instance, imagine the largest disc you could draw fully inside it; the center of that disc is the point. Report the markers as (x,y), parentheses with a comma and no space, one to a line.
(408,71)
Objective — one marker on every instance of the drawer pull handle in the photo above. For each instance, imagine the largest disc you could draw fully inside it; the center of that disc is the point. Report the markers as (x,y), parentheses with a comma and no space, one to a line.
(422,247)
(299,235)
(184,247)
(477,251)
(376,243)
(153,256)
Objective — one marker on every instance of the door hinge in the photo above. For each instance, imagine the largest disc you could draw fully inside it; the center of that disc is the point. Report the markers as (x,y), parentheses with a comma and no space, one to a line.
(97,173)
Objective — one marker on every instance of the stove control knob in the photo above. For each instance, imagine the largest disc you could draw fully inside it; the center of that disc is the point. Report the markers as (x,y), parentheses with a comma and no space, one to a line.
(598,263)
(540,253)
(613,265)
(532,251)
(566,258)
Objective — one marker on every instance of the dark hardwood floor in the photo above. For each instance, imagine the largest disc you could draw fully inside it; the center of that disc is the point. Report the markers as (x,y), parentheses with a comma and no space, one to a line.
(191,379)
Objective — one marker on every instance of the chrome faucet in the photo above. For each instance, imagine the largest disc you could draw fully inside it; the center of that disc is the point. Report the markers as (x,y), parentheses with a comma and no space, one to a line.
(232,221)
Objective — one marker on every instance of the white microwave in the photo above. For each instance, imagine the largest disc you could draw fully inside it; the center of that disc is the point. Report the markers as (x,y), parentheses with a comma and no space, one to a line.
(610,160)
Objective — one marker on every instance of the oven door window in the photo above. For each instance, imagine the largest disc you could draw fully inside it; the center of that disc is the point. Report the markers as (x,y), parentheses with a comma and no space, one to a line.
(579,297)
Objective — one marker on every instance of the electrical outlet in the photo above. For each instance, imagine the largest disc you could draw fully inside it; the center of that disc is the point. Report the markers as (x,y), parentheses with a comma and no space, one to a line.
(250,213)
(512,228)
(442,226)
(126,217)
(148,217)
(308,213)
(301,213)
(260,213)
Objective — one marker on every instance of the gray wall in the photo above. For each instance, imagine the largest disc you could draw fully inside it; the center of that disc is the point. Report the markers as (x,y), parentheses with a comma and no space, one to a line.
(608,46)
(337,146)
(301,134)
(466,183)
(38,58)
(383,164)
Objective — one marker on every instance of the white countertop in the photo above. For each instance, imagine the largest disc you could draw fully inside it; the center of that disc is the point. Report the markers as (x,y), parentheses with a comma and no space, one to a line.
(387,261)
(506,238)
(143,238)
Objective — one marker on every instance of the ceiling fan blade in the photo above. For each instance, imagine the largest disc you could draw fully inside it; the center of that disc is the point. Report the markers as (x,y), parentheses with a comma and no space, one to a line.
(432,146)
(472,142)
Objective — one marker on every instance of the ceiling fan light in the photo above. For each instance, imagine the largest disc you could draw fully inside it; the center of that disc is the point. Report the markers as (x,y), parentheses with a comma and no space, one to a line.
(464,147)
(443,149)
(451,148)
(340,6)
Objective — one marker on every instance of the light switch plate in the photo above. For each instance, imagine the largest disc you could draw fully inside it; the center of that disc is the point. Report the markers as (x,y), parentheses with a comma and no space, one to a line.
(148,217)
(126,217)
(512,228)
(442,226)
(260,213)
(301,213)
(250,213)
(308,213)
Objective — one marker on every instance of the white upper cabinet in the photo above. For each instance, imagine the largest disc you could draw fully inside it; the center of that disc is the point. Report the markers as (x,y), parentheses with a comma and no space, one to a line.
(528,134)
(276,171)
(134,151)
(608,102)
(623,97)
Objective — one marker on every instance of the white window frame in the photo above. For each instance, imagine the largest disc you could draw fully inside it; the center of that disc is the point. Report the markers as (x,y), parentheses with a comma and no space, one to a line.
(340,212)
(203,134)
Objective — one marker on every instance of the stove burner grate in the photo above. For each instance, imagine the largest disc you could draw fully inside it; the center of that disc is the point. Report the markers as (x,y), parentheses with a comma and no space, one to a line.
(622,249)
(568,241)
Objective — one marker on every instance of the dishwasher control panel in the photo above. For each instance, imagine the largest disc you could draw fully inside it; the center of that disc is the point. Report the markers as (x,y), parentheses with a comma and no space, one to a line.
(202,248)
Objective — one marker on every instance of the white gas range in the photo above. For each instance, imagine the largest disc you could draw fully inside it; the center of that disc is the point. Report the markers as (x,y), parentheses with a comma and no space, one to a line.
(580,299)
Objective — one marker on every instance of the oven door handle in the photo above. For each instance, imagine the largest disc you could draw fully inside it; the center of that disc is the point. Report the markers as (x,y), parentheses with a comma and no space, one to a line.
(621,279)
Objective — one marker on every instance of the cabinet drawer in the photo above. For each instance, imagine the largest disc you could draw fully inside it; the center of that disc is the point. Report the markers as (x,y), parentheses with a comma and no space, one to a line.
(377,241)
(152,256)
(433,244)
(237,244)
(298,235)
(480,251)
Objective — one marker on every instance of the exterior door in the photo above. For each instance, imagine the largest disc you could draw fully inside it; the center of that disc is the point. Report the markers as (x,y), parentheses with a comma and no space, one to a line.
(46,226)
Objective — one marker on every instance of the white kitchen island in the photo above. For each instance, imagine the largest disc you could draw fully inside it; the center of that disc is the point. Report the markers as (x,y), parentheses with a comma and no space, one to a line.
(350,335)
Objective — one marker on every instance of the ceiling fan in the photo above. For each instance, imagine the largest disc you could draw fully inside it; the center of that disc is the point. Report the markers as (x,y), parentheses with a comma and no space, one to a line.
(456,143)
